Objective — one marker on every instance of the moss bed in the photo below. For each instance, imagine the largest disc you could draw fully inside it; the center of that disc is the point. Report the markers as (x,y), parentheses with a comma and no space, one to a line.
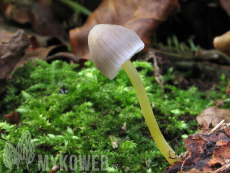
(72,111)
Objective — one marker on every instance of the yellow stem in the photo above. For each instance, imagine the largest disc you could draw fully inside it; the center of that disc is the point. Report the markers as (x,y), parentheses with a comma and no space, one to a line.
(159,139)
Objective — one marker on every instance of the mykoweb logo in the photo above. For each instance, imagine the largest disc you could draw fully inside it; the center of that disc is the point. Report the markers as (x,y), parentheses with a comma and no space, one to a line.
(82,163)
(24,151)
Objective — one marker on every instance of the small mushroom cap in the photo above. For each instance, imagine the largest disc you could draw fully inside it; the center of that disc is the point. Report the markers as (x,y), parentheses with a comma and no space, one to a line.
(110,46)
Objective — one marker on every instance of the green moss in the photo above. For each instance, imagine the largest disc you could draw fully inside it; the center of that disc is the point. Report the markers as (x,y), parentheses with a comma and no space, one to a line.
(88,119)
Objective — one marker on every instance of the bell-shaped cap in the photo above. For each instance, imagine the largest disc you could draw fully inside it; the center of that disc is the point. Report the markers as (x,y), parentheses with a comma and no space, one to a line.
(110,46)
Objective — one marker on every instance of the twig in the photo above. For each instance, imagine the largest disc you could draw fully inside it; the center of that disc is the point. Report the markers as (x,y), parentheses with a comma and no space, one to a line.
(211,67)
(202,55)
(7,141)
(215,128)
(157,74)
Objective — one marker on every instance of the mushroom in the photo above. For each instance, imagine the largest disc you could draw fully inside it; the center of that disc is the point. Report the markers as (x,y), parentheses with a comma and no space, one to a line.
(111,47)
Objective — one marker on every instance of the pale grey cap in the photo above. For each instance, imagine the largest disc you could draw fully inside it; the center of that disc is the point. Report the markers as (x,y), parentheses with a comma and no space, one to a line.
(110,46)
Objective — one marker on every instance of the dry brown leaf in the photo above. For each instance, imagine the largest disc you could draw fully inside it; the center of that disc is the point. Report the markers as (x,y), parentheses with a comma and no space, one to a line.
(11,118)
(213,115)
(222,43)
(5,35)
(51,53)
(207,153)
(143,17)
(21,14)
(11,50)
(40,15)
(38,53)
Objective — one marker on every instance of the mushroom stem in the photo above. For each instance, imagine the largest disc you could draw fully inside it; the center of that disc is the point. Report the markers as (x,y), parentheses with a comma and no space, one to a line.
(159,139)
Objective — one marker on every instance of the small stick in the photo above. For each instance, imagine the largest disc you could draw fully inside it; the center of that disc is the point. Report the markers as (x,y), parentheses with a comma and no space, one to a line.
(217,126)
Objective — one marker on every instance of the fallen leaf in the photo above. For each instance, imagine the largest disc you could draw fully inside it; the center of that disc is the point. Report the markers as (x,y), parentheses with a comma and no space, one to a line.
(5,35)
(207,153)
(213,115)
(20,12)
(11,51)
(39,53)
(143,17)
(49,54)
(40,15)
(57,51)
(11,118)
(221,154)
